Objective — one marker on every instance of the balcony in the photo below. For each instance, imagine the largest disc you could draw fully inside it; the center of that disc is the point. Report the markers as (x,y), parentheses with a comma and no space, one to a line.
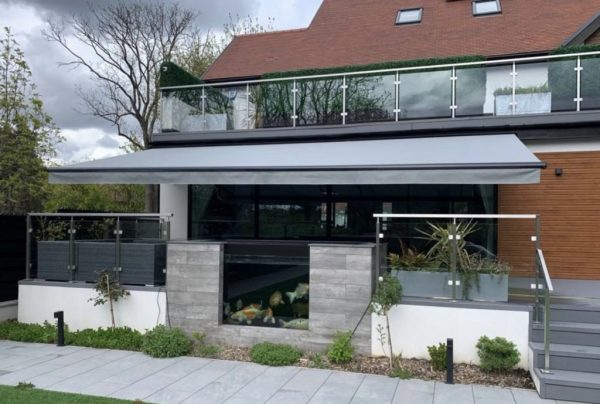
(509,88)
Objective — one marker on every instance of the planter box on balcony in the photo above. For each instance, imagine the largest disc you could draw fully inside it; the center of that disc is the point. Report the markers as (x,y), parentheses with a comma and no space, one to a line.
(533,103)
(53,259)
(142,262)
(492,288)
(426,284)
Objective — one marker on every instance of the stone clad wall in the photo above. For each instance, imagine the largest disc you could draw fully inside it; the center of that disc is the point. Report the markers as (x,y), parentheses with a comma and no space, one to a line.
(341,282)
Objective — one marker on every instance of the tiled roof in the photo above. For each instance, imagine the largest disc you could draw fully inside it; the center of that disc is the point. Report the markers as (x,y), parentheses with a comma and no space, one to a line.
(358,32)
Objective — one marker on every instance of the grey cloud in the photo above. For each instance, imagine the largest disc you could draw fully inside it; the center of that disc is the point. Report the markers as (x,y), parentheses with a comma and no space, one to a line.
(108,142)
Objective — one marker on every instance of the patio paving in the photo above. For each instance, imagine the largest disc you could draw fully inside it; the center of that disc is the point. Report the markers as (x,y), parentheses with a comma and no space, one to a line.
(133,375)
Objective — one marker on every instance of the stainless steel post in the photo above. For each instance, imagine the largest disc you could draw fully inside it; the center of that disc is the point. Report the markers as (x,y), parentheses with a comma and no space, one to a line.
(28,249)
(377,247)
(118,233)
(72,248)
(453,239)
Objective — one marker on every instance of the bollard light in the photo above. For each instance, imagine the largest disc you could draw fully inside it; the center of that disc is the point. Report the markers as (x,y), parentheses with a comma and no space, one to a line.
(60,328)
(449,361)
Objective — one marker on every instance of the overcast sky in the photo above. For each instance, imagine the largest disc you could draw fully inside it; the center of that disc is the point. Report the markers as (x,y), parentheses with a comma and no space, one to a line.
(88,137)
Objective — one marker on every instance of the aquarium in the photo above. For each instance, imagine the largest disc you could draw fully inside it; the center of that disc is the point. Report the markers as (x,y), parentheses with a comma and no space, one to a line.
(266,284)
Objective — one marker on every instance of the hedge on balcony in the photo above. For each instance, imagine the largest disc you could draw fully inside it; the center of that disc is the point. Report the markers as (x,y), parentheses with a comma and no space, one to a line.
(173,75)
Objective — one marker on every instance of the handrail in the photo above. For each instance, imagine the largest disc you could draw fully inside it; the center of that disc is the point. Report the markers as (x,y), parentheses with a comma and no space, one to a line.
(450,216)
(115,215)
(549,285)
(390,70)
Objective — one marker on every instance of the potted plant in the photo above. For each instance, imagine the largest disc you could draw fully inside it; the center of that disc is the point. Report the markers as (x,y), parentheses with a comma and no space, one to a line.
(529,100)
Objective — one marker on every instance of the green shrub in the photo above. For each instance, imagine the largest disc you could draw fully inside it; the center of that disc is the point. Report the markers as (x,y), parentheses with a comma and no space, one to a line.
(401,373)
(437,354)
(341,350)
(316,361)
(270,354)
(202,349)
(164,342)
(110,338)
(497,355)
(22,332)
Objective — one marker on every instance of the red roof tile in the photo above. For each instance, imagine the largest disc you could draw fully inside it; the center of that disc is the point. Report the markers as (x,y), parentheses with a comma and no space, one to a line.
(357,32)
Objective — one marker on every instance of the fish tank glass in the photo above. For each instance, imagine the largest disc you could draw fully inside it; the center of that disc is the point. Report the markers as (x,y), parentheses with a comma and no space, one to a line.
(266,284)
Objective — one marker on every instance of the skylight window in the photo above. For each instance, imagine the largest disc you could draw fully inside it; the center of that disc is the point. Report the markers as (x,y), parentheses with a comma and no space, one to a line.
(409,16)
(484,7)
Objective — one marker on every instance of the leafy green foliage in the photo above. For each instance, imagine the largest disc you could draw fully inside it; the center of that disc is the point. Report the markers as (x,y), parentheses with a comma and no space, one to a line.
(164,342)
(440,236)
(94,198)
(27,134)
(543,88)
(341,350)
(110,338)
(201,349)
(401,373)
(409,259)
(173,75)
(25,385)
(14,331)
(108,291)
(316,361)
(497,355)
(270,354)
(387,294)
(437,355)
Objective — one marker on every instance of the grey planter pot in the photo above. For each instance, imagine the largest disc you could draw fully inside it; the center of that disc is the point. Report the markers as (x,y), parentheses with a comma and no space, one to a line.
(142,263)
(492,288)
(533,103)
(52,260)
(426,284)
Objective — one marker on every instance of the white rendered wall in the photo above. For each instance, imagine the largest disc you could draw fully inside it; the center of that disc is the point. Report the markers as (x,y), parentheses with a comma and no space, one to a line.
(141,310)
(414,327)
(174,199)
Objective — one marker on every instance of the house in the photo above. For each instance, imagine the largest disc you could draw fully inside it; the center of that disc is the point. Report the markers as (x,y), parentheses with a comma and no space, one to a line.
(303,157)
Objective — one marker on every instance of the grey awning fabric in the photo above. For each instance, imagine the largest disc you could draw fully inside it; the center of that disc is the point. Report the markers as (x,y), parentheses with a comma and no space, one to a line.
(485,159)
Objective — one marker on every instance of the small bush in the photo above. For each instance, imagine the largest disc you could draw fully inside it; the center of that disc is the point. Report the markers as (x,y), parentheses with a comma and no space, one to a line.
(110,338)
(270,354)
(22,332)
(164,342)
(497,355)
(341,350)
(401,373)
(203,350)
(316,361)
(437,354)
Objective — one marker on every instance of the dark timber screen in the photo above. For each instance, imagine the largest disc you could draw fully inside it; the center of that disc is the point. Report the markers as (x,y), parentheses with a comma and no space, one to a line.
(12,255)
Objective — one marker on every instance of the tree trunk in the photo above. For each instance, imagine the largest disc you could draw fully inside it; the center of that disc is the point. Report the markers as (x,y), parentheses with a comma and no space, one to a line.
(151,199)
(387,322)
(110,301)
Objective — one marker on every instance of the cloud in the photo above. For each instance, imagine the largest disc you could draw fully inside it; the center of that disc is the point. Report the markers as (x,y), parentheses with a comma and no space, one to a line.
(88,136)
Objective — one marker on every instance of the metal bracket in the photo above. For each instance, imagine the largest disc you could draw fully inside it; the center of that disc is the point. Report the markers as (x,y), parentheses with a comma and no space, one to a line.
(451,237)
(381,235)
(534,238)
(539,286)
(451,282)
(120,232)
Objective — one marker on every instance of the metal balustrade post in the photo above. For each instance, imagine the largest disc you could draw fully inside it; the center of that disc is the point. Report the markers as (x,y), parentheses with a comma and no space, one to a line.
(203,100)
(344,112)
(538,265)
(295,103)
(453,79)
(397,83)
(546,330)
(377,247)
(453,239)
(28,248)
(71,264)
(118,233)
(248,106)
(514,88)
(578,70)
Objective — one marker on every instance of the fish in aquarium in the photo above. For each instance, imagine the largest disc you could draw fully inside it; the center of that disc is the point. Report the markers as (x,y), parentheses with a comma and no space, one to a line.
(248,314)
(226,309)
(300,292)
(268,316)
(297,324)
(239,304)
(300,309)
(276,299)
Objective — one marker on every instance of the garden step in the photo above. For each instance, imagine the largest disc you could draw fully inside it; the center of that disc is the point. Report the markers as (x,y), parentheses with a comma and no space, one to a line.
(569,333)
(569,386)
(579,314)
(568,357)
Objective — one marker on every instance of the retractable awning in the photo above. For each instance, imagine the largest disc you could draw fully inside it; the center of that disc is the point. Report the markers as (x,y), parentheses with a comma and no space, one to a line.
(485,159)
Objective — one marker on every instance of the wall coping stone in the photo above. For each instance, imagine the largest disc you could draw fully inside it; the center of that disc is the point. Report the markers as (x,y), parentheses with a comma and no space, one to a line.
(343,245)
(83,285)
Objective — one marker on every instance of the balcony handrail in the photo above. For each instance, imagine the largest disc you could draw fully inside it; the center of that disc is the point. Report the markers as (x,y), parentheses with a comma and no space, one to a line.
(389,70)
(111,215)
(451,216)
(547,278)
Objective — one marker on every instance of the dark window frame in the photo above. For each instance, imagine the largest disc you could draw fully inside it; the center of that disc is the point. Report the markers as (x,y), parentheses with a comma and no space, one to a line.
(420,9)
(476,14)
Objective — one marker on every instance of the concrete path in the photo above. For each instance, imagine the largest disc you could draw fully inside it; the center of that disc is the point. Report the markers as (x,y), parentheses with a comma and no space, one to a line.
(133,375)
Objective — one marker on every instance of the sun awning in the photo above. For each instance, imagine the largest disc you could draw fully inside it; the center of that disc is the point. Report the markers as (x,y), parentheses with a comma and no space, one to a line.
(485,159)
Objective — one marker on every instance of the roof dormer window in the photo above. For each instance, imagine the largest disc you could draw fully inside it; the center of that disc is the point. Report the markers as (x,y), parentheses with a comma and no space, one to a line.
(409,16)
(486,7)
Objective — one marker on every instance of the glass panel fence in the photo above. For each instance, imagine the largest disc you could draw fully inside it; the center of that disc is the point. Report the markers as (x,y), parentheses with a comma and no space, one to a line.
(370,98)
(272,105)
(132,249)
(182,110)
(319,102)
(419,253)
(425,94)
(498,90)
(532,92)
(470,91)
(590,82)
(562,84)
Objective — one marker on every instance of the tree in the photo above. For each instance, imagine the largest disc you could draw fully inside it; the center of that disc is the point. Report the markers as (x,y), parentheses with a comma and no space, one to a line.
(121,198)
(108,291)
(27,133)
(128,41)
(387,295)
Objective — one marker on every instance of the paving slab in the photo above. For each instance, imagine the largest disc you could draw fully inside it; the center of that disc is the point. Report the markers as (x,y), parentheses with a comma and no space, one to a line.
(492,395)
(522,396)
(453,394)
(203,376)
(301,387)
(271,381)
(339,387)
(375,389)
(414,391)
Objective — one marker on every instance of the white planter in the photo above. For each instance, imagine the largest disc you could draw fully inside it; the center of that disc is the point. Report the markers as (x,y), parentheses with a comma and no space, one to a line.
(534,103)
